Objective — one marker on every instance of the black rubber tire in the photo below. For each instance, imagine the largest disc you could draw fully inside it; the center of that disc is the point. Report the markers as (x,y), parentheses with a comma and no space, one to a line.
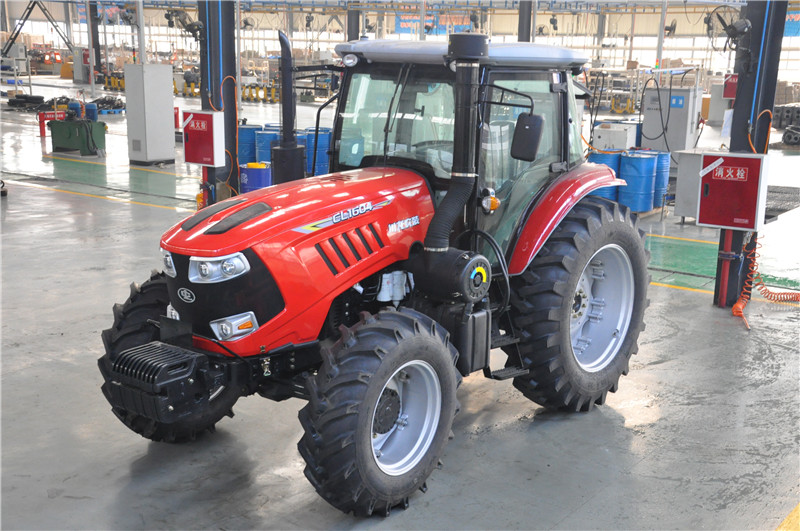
(147,302)
(542,304)
(338,420)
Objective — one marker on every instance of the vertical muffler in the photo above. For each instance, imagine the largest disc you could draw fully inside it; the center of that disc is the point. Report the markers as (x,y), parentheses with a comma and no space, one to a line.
(288,158)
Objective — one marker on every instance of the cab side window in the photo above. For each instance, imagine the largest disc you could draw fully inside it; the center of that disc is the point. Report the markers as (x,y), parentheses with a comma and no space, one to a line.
(515,181)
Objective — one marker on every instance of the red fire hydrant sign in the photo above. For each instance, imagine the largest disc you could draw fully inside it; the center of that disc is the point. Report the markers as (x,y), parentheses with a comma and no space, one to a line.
(733,191)
(49,115)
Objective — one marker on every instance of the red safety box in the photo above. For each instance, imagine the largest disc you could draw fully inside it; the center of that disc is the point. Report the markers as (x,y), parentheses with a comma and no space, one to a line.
(733,191)
(729,84)
(178,118)
(204,138)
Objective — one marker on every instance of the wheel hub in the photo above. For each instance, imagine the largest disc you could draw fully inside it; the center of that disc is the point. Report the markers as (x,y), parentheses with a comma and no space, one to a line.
(405,418)
(602,308)
(387,411)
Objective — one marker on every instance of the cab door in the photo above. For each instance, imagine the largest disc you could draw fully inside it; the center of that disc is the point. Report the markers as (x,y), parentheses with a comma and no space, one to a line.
(516,182)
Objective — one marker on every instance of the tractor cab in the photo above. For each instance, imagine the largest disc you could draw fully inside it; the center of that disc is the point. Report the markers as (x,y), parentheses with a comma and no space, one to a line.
(397,108)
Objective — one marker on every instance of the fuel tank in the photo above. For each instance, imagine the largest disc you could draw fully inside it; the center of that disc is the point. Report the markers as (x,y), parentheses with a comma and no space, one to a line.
(313,239)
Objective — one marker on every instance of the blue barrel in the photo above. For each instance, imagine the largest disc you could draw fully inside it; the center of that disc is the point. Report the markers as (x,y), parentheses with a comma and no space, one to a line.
(611,160)
(323,143)
(75,107)
(264,140)
(638,169)
(91,111)
(254,176)
(247,143)
(662,179)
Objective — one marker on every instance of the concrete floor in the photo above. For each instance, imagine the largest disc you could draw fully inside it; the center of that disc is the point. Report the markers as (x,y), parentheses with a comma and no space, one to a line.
(703,432)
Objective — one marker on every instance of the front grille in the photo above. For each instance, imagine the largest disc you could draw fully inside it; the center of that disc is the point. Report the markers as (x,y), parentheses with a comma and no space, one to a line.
(256,291)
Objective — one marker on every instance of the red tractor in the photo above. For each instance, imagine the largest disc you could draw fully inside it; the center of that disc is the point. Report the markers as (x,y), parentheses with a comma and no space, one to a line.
(456,220)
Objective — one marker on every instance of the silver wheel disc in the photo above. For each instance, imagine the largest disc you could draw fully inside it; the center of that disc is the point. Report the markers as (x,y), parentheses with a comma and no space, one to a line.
(406,417)
(602,308)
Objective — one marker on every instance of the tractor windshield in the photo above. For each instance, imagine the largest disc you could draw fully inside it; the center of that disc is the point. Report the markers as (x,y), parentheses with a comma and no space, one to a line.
(399,111)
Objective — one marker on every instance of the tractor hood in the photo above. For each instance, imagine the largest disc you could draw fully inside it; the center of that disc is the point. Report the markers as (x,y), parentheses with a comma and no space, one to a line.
(290,211)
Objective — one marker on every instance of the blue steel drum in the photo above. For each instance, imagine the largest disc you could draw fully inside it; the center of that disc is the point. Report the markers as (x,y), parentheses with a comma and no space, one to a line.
(264,140)
(254,178)
(612,161)
(91,111)
(639,171)
(662,179)
(247,143)
(75,107)
(323,143)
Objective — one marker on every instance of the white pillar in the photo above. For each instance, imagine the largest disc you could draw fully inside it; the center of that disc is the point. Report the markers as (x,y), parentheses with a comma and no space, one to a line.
(660,51)
(140,23)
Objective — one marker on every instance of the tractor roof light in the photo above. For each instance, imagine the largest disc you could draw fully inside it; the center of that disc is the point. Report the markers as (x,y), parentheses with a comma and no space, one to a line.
(350,60)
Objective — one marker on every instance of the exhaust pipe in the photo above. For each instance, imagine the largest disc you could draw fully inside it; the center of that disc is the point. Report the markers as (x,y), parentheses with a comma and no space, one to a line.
(288,159)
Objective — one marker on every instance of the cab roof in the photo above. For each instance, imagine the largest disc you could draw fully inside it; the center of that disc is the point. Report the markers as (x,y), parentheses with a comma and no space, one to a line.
(524,54)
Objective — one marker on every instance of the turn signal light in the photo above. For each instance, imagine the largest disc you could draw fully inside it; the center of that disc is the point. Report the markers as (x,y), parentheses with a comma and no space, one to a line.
(490,203)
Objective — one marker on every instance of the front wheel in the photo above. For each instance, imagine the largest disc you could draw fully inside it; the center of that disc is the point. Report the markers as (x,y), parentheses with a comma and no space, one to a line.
(579,307)
(380,412)
(134,325)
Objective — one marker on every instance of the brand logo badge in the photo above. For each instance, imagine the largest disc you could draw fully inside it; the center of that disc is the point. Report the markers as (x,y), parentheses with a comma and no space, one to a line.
(186,295)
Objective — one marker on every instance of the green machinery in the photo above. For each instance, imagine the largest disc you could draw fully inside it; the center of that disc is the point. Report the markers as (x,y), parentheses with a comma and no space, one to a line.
(84,135)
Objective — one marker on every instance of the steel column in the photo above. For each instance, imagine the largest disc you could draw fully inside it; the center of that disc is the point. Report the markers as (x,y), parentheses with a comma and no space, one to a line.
(90,31)
(524,23)
(94,34)
(353,17)
(217,62)
(757,59)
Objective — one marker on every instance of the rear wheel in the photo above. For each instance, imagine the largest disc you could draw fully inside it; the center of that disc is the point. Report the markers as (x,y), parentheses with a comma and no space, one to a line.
(579,307)
(133,326)
(380,412)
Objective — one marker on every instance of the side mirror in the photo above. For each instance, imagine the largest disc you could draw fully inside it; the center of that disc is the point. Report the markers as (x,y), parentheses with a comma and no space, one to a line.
(527,135)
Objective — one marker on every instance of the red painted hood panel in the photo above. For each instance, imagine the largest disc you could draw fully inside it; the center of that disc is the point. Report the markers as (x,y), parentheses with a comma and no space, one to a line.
(304,206)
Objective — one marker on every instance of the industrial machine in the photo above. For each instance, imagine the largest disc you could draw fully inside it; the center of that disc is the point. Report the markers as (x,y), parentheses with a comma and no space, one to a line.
(150,112)
(456,220)
(670,117)
(86,136)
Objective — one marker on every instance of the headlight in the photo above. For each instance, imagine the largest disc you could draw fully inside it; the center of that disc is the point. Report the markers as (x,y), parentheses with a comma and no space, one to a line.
(350,60)
(169,266)
(210,270)
(234,326)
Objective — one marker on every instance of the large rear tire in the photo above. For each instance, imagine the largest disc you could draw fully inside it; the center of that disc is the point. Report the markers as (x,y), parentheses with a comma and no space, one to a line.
(134,325)
(380,411)
(579,307)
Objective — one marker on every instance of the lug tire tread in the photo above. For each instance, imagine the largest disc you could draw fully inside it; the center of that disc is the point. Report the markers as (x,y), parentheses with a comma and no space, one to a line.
(148,301)
(329,419)
(538,297)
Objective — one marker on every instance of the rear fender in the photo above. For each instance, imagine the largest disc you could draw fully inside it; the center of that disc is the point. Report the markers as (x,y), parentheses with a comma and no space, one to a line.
(553,206)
